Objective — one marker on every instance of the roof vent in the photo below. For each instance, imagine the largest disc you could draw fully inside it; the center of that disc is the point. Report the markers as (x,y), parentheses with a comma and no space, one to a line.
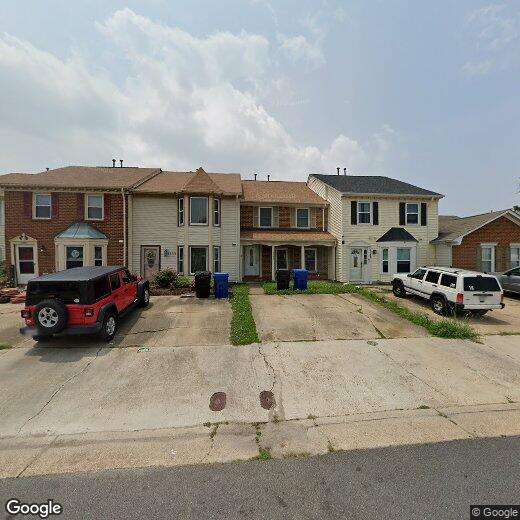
(344,171)
(337,169)
(47,169)
(268,178)
(113,163)
(121,161)
(255,176)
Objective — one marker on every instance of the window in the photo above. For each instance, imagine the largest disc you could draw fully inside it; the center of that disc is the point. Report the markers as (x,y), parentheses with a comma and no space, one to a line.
(481,283)
(95,207)
(26,259)
(198,211)
(42,206)
(198,259)
(98,255)
(181,212)
(180,260)
(419,274)
(216,259)
(448,280)
(488,259)
(384,257)
(127,277)
(403,260)
(115,281)
(216,212)
(310,259)
(515,256)
(281,259)
(302,217)
(101,288)
(412,214)
(432,276)
(266,217)
(74,257)
(364,212)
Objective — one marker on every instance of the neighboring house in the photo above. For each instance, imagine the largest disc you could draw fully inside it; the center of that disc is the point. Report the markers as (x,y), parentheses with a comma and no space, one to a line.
(187,221)
(2,226)
(489,242)
(383,226)
(67,217)
(283,225)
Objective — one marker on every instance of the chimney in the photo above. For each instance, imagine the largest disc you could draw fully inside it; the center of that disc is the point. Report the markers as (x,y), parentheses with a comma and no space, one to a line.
(255,176)
(337,169)
(344,171)
(113,163)
(121,161)
(268,178)
(47,169)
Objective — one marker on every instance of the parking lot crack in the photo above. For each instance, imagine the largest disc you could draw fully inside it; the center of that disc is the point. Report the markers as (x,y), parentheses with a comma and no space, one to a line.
(59,389)
(212,435)
(268,365)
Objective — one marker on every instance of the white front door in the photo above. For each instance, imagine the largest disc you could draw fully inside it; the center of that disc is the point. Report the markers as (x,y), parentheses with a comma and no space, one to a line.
(25,263)
(251,260)
(360,264)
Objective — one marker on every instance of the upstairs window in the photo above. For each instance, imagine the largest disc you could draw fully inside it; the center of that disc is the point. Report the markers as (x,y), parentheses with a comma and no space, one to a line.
(266,217)
(364,213)
(94,206)
(412,214)
(216,212)
(302,217)
(198,211)
(42,206)
(181,212)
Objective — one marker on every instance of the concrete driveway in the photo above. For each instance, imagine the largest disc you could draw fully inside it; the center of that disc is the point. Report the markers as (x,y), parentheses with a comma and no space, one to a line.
(168,321)
(501,321)
(326,317)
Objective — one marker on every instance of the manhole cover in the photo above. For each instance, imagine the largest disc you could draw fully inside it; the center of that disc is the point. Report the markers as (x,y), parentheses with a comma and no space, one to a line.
(266,399)
(217,401)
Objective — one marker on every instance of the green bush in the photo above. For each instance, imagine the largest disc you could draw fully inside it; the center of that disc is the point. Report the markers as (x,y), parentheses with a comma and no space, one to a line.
(3,274)
(165,279)
(182,281)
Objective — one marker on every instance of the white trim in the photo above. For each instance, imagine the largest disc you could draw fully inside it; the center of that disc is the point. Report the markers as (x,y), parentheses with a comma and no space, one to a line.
(308,218)
(88,245)
(102,195)
(272,216)
(207,212)
(46,194)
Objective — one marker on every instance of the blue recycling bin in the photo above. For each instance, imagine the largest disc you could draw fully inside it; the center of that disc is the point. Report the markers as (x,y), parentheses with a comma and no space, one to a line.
(221,285)
(301,276)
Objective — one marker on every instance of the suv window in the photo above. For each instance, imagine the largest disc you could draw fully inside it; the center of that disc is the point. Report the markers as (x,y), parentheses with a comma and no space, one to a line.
(101,288)
(127,277)
(419,274)
(448,280)
(480,283)
(115,281)
(433,276)
(67,292)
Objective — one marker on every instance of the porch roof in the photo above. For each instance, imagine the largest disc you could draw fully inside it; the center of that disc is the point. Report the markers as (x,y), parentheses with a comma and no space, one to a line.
(287,236)
(82,230)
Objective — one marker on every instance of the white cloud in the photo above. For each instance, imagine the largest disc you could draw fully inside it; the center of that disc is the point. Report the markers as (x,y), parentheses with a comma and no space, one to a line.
(298,49)
(181,101)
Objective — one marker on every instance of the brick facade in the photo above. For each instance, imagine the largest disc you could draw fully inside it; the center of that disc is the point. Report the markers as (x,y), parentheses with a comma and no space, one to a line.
(246,216)
(501,231)
(68,211)
(286,217)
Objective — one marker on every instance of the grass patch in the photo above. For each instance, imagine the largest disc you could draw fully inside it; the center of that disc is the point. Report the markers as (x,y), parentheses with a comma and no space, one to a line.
(243,326)
(313,287)
(264,455)
(5,346)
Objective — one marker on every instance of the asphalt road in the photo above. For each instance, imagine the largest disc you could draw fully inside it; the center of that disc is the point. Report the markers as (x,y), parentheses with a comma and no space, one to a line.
(410,482)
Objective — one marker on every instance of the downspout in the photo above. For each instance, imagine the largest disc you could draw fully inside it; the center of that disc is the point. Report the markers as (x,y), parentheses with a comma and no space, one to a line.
(238,245)
(323,218)
(125,261)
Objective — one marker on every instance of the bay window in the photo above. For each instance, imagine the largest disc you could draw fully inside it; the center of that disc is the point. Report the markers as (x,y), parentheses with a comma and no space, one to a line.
(181,212)
(180,260)
(198,211)
(216,212)
(198,259)
(403,260)
(384,260)
(74,256)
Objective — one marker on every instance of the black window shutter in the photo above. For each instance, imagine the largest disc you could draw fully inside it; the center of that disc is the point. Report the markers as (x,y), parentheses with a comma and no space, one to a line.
(55,205)
(375,213)
(423,213)
(402,213)
(353,212)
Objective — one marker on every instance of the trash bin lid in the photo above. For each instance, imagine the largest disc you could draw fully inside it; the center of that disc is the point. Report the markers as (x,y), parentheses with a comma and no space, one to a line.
(220,275)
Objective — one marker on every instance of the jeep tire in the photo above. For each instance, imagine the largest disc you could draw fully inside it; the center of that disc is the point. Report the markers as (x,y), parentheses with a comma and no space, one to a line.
(50,317)
(398,289)
(109,326)
(144,299)
(438,305)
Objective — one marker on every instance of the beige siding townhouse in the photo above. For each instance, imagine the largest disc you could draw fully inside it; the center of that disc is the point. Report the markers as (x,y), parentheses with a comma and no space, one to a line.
(383,226)
(187,221)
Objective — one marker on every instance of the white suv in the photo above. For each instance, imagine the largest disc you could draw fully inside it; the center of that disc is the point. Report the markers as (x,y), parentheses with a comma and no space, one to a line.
(450,290)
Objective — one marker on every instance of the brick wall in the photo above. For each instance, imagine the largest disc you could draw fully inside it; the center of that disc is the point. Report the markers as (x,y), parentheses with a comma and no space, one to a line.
(44,231)
(285,217)
(501,231)
(246,216)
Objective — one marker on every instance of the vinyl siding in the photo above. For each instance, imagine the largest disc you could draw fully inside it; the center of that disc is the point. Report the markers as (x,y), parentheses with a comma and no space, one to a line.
(443,255)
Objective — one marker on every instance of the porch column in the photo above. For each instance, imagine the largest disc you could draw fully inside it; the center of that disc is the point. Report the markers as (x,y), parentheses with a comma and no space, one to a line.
(273,257)
(302,258)
(334,277)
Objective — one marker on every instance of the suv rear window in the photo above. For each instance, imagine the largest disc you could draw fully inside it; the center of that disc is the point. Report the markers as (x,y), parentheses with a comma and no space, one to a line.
(448,280)
(67,292)
(480,283)
(101,288)
(433,276)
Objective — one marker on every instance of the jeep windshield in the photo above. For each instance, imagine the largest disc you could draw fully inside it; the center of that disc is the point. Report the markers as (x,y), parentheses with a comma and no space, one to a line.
(66,291)
(481,283)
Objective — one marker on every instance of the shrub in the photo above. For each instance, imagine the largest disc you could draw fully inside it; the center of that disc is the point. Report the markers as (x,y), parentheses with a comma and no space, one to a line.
(3,274)
(165,279)
(182,281)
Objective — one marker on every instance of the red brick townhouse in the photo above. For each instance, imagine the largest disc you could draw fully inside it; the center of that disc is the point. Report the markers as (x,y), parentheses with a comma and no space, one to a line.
(489,242)
(67,217)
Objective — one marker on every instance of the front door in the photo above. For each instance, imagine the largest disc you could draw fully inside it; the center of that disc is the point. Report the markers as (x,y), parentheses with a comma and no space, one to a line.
(281,259)
(251,261)
(360,264)
(150,261)
(25,264)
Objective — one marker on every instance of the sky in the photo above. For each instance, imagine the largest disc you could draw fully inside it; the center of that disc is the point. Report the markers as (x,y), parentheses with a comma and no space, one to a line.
(424,92)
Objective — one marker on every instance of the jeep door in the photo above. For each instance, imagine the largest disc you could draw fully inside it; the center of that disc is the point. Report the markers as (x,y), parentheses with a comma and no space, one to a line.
(431,282)
(415,282)
(129,287)
(117,291)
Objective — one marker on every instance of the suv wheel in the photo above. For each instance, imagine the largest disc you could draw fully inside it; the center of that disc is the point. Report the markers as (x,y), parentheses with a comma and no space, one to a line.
(50,316)
(145,298)
(108,330)
(398,289)
(438,305)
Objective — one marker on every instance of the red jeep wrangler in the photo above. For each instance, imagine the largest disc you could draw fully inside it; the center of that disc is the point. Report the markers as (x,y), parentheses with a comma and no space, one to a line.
(82,300)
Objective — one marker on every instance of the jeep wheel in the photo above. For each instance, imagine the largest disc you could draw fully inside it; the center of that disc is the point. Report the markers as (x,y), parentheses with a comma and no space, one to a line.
(50,316)
(145,298)
(108,330)
(398,289)
(438,305)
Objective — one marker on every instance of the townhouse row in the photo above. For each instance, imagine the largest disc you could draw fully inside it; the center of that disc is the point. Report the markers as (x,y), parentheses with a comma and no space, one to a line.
(358,229)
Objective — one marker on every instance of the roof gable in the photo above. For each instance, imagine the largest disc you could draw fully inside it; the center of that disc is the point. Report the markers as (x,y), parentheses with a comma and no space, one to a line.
(201,183)
(397,234)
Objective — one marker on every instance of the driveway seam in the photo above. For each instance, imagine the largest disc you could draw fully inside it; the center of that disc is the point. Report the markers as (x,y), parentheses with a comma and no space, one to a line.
(37,456)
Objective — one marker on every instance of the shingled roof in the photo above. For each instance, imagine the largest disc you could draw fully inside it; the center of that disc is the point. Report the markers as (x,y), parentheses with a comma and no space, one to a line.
(373,184)
(280,192)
